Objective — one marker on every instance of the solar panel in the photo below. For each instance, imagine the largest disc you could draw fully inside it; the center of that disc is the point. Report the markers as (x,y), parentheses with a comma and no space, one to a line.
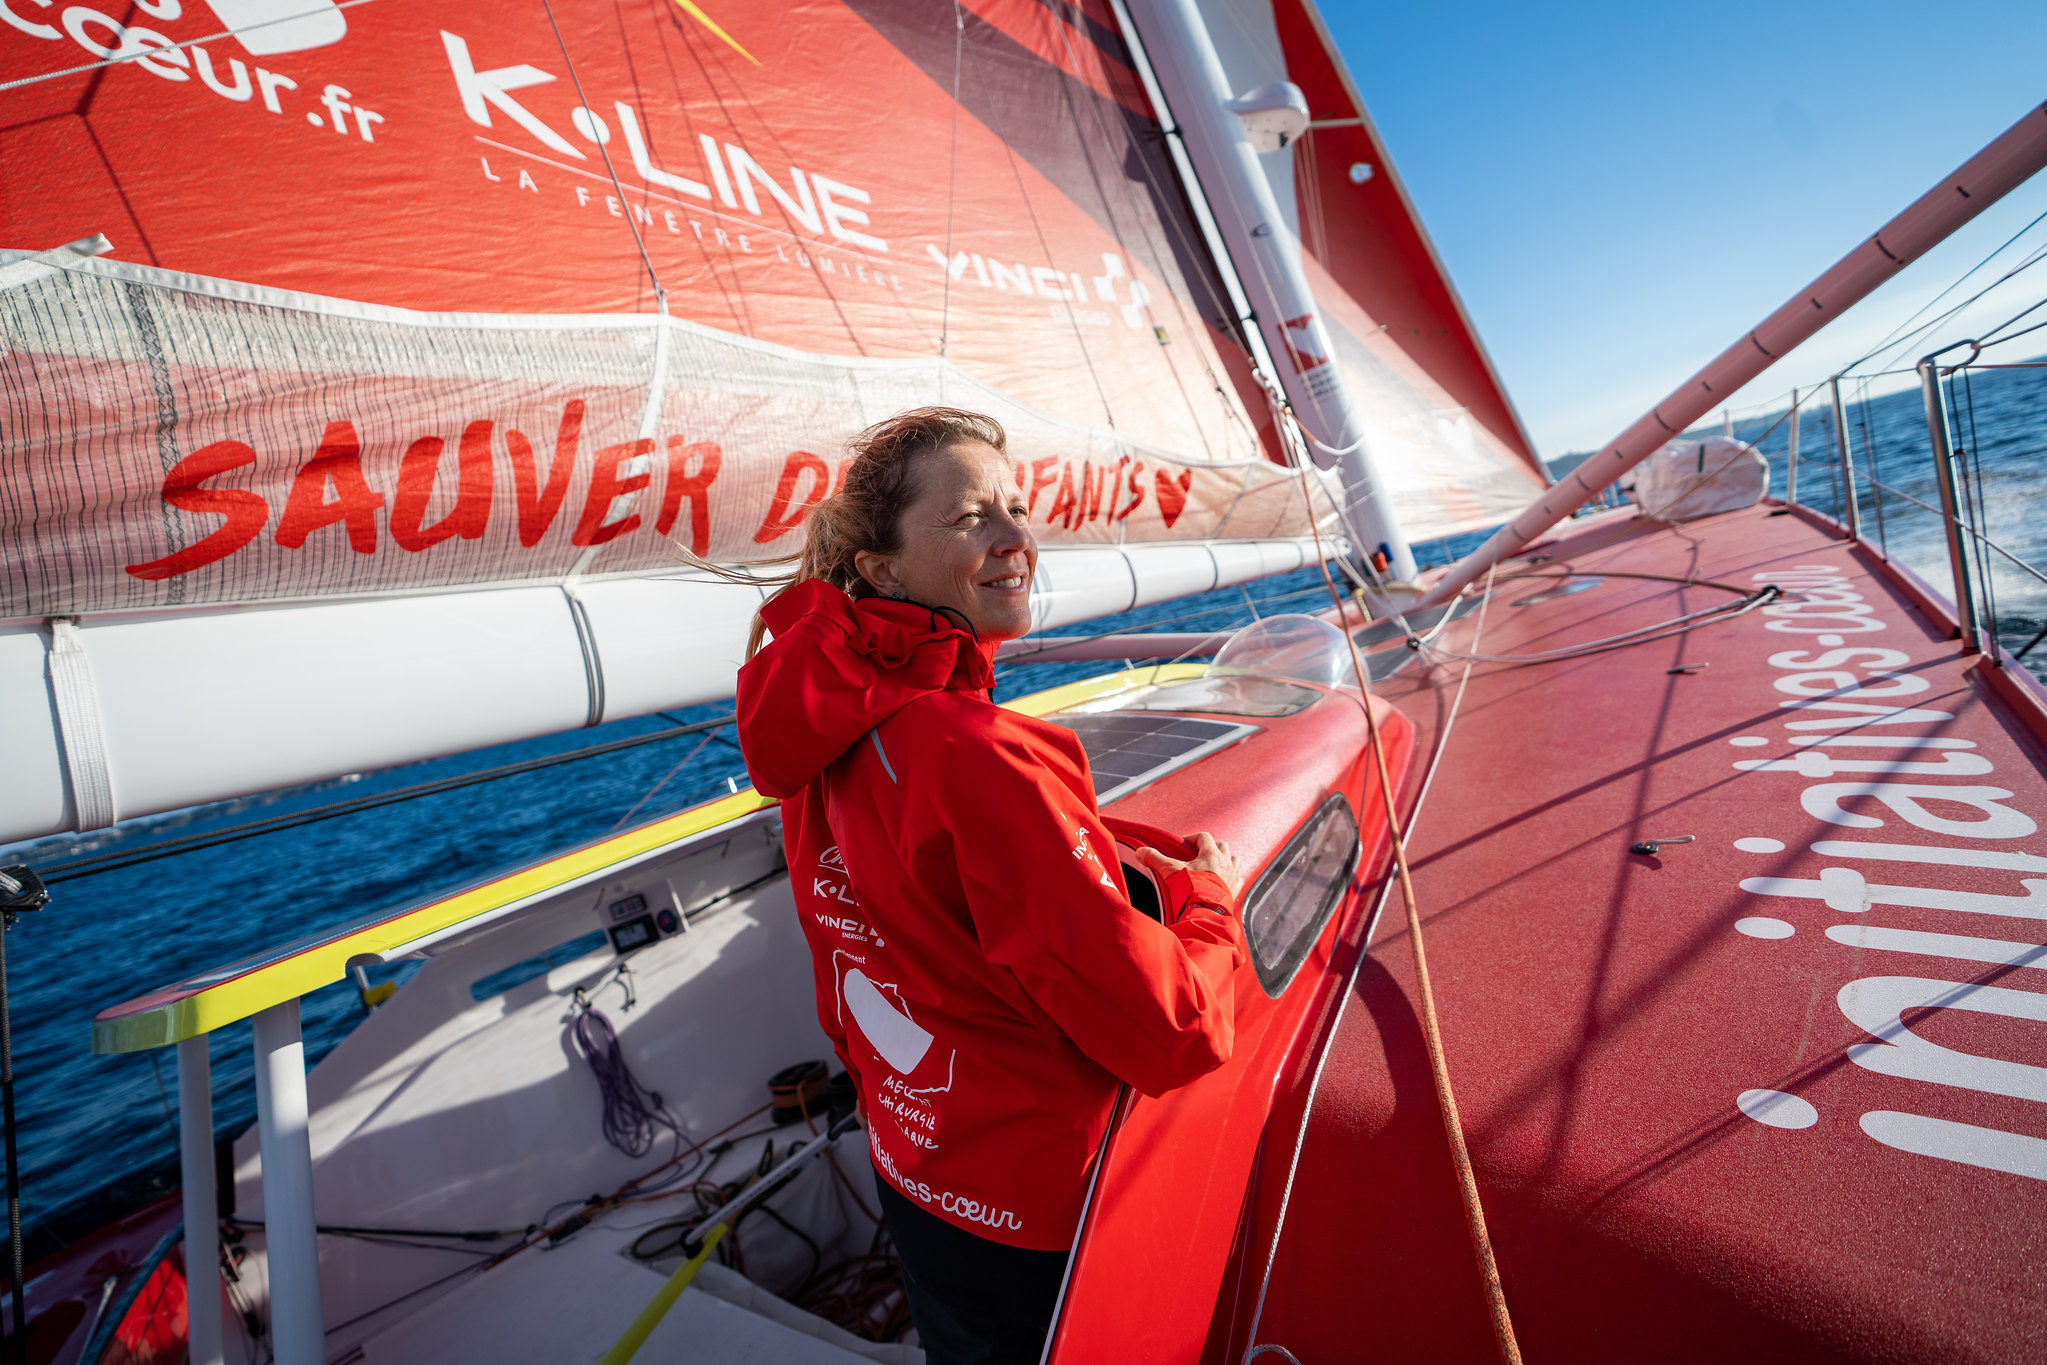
(1131,749)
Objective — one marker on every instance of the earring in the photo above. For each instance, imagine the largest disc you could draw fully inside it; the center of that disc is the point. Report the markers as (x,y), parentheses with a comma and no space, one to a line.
(897,594)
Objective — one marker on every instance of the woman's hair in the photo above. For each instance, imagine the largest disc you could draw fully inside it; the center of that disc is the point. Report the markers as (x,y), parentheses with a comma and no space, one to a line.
(866,514)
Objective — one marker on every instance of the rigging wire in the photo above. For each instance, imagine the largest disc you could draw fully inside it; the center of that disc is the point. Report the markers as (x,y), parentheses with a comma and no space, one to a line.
(1062,29)
(1972,504)
(1991,338)
(1191,230)
(1966,530)
(1677,625)
(952,190)
(679,765)
(1047,643)
(1908,338)
(1350,985)
(1173,242)
(1308,180)
(604,151)
(117,858)
(1885,344)
(1038,229)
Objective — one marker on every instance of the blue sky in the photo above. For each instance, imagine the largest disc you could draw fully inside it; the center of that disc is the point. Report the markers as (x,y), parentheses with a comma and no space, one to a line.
(1621,190)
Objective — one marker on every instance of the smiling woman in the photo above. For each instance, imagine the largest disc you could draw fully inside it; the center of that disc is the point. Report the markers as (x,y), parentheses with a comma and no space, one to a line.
(963,545)
(928,514)
(978,963)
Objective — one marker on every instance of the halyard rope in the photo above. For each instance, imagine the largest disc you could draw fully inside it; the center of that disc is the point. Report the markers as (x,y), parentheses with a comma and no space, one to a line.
(1439,1065)
(1368,929)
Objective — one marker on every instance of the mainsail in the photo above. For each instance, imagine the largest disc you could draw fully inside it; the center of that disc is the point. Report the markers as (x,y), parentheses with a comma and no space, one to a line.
(430,331)
(433,364)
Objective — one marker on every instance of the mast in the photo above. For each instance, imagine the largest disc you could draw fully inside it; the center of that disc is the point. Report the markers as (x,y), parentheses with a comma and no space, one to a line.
(2008,162)
(1196,106)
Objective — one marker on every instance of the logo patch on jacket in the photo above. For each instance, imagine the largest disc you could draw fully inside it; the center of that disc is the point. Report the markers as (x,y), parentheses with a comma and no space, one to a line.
(1085,851)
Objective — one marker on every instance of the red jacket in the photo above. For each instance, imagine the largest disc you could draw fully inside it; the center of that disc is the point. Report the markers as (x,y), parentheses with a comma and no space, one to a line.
(979,966)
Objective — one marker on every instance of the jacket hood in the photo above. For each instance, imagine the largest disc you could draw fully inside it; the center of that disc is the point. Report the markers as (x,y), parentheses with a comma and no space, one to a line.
(835,669)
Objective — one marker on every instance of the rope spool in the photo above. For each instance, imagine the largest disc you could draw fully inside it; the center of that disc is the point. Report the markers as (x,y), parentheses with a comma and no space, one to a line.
(797,1091)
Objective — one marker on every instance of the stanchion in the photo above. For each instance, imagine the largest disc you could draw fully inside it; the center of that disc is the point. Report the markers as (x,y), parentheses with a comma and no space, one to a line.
(1950,499)
(1791,456)
(1851,513)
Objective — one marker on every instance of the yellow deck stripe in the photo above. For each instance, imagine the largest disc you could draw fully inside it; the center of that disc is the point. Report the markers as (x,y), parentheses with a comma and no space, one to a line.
(187,1010)
(1072,694)
(217,998)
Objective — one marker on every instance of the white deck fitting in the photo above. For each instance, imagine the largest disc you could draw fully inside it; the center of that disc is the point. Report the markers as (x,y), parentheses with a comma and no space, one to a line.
(281,1123)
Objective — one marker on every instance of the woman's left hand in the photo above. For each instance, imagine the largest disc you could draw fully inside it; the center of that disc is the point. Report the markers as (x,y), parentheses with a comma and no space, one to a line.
(1211,855)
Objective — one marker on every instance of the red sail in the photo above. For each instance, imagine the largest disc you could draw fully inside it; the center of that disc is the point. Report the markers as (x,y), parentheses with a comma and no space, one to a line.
(378,271)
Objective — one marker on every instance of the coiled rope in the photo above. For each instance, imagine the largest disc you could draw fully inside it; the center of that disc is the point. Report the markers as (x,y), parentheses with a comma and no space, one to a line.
(632,1113)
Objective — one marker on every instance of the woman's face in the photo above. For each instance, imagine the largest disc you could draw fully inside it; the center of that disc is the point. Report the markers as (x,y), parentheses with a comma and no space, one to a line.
(964,543)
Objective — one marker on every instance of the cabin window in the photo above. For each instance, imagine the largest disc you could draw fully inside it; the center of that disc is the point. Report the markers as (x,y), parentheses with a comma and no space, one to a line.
(1299,890)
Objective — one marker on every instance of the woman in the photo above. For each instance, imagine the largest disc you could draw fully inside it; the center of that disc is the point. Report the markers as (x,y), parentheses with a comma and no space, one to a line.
(979,967)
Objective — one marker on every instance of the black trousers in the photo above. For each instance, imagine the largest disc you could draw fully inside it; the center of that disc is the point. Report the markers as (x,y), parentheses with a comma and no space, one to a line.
(975,1302)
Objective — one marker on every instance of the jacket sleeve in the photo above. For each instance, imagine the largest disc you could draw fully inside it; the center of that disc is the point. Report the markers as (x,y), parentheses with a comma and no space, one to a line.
(801,816)
(1153,1003)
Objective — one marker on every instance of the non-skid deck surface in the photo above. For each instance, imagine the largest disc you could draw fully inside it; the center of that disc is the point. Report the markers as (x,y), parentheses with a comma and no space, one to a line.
(1605,1012)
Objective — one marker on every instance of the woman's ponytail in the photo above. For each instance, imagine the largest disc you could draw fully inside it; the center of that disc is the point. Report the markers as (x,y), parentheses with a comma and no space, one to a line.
(866,514)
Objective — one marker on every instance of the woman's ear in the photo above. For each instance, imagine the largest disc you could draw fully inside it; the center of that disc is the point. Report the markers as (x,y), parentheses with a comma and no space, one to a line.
(879,573)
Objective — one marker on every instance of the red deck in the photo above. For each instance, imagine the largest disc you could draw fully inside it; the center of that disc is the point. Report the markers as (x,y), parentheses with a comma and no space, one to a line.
(1603,1011)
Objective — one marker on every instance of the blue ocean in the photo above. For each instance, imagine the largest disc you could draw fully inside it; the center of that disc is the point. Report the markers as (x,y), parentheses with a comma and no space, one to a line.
(98,1134)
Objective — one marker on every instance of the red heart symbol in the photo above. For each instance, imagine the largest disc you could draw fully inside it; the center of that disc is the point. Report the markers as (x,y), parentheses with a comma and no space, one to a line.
(1172,494)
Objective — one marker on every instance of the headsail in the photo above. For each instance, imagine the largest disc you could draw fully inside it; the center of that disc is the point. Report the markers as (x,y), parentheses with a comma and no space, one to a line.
(413,301)
(1449,448)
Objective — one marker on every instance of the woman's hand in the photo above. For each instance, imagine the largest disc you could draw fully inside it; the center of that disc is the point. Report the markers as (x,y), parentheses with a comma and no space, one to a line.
(1211,855)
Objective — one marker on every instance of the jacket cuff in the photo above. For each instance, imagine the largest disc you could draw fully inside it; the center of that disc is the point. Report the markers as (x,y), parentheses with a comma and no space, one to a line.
(1189,887)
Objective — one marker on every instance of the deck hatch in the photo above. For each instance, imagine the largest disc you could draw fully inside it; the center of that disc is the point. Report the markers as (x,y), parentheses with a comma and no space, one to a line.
(1293,899)
(1130,749)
